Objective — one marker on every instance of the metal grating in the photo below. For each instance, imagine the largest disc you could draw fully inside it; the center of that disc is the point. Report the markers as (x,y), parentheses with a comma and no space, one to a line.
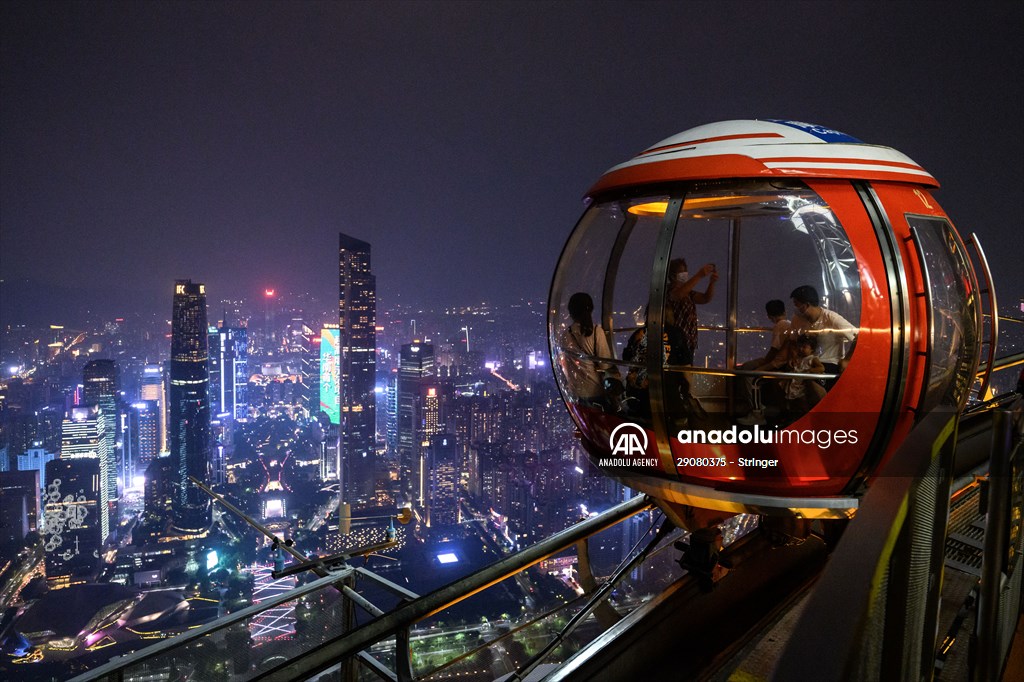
(870,660)
(966,540)
(922,539)
(964,510)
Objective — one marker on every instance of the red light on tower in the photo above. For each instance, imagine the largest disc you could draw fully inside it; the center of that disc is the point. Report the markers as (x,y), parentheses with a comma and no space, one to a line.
(269,293)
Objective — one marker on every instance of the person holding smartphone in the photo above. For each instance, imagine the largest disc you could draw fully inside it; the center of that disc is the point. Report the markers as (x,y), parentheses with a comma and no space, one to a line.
(681,308)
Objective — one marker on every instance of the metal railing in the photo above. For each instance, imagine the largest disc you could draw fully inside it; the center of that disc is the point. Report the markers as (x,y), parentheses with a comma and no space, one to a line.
(162,655)
(1002,571)
(327,637)
(884,577)
(398,621)
(876,607)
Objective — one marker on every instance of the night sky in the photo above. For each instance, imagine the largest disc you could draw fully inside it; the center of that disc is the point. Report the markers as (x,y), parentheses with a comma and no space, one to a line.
(230,142)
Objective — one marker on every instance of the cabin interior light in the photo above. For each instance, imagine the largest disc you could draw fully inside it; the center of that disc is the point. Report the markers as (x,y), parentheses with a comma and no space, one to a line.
(655,208)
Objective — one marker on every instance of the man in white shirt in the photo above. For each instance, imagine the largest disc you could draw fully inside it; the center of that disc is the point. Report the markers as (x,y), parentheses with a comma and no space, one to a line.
(832,330)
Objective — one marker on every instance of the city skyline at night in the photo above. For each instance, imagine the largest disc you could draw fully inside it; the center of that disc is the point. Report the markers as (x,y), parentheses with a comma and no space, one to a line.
(346,292)
(465,170)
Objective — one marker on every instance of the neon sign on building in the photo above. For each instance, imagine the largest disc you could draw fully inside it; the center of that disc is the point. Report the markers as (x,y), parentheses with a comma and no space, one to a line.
(330,374)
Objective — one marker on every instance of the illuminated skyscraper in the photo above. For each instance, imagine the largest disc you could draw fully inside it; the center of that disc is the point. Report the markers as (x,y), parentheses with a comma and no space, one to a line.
(73,537)
(158,495)
(268,342)
(357,319)
(154,389)
(444,481)
(330,402)
(84,436)
(391,408)
(189,414)
(418,417)
(144,432)
(229,371)
(36,459)
(100,387)
(309,371)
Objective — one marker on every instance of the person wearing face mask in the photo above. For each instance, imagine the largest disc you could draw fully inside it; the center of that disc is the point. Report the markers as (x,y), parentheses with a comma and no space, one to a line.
(681,307)
(681,301)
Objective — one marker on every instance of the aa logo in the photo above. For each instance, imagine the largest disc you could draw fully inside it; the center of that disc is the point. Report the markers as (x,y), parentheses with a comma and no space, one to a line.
(628,439)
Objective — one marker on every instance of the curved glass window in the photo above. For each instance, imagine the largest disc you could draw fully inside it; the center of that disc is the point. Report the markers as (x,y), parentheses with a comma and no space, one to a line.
(953,311)
(608,261)
(740,251)
(726,354)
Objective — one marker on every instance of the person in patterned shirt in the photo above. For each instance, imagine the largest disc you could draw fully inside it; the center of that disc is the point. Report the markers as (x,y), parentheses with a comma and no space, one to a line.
(681,307)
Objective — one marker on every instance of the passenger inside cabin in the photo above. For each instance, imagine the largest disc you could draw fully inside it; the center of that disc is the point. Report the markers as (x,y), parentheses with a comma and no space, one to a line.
(832,331)
(681,301)
(681,306)
(750,403)
(593,383)
(803,394)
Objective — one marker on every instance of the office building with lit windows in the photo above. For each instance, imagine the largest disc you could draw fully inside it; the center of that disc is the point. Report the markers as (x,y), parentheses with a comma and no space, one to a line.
(189,413)
(309,374)
(229,371)
(418,417)
(357,339)
(144,434)
(100,387)
(154,389)
(19,507)
(72,534)
(444,459)
(84,436)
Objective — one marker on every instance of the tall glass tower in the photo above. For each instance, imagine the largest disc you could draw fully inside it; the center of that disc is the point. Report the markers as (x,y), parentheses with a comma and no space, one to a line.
(83,436)
(101,386)
(444,463)
(229,360)
(418,417)
(73,531)
(189,422)
(357,319)
(154,388)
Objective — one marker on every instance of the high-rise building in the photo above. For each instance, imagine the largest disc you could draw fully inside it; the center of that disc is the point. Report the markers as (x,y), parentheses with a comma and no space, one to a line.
(30,429)
(189,413)
(84,436)
(154,388)
(101,386)
(229,376)
(357,319)
(418,417)
(391,407)
(444,461)
(158,497)
(309,373)
(19,507)
(125,448)
(35,459)
(72,535)
(144,430)
(268,342)
(330,402)
(229,382)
